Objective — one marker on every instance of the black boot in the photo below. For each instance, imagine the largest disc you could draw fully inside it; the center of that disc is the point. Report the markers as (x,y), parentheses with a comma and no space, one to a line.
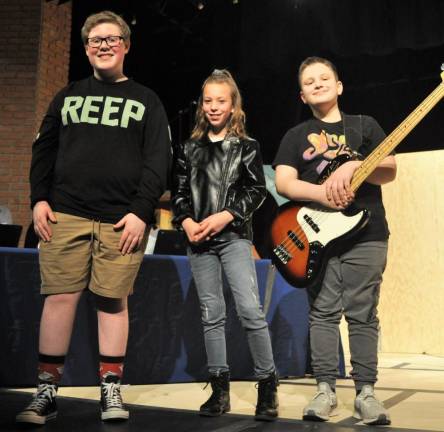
(219,401)
(267,400)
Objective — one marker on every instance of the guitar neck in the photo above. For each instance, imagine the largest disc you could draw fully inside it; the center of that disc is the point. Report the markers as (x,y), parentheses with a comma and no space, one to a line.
(392,140)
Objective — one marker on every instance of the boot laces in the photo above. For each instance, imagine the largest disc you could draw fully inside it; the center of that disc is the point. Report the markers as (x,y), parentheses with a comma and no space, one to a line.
(265,388)
(216,387)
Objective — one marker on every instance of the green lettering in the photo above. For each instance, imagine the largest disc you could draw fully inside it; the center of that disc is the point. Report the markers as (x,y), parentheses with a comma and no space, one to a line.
(70,106)
(88,108)
(129,113)
(109,109)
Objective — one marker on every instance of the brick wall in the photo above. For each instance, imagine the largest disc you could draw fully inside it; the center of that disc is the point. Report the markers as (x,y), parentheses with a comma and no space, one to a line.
(53,67)
(34,61)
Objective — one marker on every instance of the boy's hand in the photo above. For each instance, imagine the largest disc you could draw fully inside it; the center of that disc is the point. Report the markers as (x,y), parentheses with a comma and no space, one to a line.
(215,223)
(193,229)
(41,213)
(337,186)
(132,235)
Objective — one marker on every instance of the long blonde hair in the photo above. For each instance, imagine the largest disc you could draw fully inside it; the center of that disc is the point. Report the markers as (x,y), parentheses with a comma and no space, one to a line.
(236,122)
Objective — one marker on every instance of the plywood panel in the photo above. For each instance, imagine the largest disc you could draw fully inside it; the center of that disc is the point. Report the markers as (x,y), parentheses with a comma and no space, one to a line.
(412,298)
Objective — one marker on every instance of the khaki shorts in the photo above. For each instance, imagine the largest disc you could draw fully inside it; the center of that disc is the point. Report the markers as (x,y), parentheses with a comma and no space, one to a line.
(84,253)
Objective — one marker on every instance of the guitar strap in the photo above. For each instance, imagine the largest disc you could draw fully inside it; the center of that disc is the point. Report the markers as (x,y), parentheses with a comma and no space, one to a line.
(353,132)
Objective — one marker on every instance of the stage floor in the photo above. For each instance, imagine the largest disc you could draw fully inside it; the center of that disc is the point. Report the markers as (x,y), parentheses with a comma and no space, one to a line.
(411,386)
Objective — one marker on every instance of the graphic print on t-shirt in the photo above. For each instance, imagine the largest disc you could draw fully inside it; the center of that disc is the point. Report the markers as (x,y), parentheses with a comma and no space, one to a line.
(326,146)
(107,111)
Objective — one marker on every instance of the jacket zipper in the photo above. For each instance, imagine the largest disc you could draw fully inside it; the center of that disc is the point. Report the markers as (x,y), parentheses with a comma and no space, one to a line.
(222,183)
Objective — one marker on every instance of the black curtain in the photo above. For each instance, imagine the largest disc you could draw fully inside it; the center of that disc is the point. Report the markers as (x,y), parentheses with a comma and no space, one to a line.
(388,53)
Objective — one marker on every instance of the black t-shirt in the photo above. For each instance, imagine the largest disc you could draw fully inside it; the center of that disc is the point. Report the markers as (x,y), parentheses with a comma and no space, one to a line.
(313,144)
(103,151)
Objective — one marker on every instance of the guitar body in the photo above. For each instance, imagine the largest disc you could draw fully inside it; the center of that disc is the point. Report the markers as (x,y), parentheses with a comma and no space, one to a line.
(303,237)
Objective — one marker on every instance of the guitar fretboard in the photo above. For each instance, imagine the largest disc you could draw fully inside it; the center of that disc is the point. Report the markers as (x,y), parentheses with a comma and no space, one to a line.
(392,140)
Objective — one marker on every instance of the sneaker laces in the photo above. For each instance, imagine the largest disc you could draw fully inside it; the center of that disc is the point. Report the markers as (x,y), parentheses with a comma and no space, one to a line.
(371,399)
(112,394)
(321,393)
(45,393)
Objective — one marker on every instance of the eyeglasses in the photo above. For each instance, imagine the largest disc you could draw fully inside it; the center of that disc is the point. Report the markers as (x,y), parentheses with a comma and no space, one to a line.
(111,41)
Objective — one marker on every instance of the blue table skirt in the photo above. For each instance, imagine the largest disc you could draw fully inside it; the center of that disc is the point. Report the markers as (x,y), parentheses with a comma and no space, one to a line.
(166,339)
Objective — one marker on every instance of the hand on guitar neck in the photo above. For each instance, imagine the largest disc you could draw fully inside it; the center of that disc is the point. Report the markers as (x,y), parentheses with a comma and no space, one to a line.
(338,186)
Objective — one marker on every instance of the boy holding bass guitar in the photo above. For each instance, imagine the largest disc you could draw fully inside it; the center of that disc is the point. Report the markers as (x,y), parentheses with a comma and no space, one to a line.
(350,281)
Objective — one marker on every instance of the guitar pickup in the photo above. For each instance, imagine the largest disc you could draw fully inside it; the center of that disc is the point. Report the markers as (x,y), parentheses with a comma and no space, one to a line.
(311,223)
(296,240)
(282,253)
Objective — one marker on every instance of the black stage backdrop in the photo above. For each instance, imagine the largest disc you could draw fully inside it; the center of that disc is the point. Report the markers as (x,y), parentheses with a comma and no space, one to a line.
(388,53)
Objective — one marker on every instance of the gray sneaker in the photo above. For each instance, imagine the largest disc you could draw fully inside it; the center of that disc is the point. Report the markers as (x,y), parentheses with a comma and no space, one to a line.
(322,405)
(369,409)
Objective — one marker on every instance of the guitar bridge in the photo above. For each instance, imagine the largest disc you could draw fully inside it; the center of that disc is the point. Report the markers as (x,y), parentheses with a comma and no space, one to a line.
(282,253)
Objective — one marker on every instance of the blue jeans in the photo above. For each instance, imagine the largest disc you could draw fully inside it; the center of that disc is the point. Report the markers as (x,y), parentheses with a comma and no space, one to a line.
(236,259)
(350,287)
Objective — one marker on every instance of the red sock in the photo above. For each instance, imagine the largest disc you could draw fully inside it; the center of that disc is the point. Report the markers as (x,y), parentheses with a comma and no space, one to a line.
(111,366)
(50,368)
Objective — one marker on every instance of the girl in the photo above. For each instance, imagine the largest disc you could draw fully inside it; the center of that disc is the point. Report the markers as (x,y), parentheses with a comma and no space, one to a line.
(218,183)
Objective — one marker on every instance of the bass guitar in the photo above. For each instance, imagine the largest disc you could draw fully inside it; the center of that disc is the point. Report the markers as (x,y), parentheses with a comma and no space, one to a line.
(303,236)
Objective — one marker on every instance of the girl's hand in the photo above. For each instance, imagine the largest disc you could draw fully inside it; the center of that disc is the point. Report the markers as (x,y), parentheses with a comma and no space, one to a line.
(214,224)
(193,230)
(337,187)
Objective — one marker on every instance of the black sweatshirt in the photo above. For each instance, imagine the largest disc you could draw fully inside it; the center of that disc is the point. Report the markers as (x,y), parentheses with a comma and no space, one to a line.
(103,150)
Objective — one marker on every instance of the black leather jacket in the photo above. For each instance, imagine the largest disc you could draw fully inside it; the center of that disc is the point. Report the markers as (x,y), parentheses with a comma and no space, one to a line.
(210,177)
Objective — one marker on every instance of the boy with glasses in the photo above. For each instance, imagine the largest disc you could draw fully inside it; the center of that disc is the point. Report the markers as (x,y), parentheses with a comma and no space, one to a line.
(99,166)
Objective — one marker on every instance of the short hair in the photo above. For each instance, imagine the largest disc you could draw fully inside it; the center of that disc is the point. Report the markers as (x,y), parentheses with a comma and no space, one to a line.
(312,60)
(105,17)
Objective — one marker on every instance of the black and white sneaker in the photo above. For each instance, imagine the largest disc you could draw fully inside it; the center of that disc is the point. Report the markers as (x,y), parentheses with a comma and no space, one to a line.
(111,400)
(42,407)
